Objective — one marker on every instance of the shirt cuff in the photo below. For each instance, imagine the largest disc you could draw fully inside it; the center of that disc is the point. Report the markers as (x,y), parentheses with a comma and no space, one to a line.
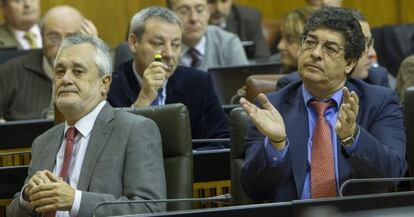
(24,203)
(274,156)
(74,211)
(351,149)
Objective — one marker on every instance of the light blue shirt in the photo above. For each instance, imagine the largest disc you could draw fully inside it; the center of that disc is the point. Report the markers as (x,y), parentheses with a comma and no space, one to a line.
(274,156)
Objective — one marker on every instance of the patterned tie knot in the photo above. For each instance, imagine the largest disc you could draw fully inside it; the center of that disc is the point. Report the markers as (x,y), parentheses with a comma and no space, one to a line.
(320,107)
(71,133)
(195,56)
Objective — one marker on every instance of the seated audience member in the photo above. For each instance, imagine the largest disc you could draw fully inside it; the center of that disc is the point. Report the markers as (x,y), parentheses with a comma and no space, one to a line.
(205,46)
(20,29)
(311,136)
(288,46)
(145,81)
(242,21)
(365,69)
(26,81)
(106,155)
(405,77)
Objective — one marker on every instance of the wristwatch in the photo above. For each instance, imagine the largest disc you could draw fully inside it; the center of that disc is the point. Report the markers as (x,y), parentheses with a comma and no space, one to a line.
(347,142)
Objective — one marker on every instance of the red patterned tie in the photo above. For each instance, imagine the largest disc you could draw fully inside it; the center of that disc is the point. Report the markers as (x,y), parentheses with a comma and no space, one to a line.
(323,182)
(70,138)
(195,56)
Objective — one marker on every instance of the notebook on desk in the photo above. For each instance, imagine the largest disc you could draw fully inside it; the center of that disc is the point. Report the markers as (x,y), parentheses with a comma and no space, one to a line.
(227,80)
(20,134)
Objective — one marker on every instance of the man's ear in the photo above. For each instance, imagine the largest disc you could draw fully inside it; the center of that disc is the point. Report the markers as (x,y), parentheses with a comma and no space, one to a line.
(132,42)
(106,83)
(350,64)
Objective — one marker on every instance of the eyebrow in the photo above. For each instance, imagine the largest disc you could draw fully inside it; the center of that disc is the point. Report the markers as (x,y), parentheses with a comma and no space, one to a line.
(327,41)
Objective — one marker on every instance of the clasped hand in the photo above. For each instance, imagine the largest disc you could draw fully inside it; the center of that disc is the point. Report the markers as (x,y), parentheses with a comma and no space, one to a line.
(48,192)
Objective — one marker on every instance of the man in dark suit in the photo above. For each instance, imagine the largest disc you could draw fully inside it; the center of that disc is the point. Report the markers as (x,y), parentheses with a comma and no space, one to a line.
(314,134)
(98,154)
(366,69)
(145,81)
(242,21)
(26,81)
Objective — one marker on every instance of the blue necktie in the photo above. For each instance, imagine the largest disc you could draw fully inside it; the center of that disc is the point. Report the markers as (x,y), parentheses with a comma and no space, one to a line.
(159,99)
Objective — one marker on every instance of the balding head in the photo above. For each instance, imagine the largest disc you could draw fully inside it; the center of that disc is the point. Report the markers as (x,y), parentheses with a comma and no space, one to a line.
(58,23)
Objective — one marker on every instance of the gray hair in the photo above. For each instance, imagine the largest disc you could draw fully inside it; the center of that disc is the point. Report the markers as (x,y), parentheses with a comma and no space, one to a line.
(137,25)
(103,57)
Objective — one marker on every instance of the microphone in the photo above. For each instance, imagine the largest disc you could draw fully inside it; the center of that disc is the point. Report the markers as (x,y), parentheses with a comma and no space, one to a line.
(372,180)
(224,198)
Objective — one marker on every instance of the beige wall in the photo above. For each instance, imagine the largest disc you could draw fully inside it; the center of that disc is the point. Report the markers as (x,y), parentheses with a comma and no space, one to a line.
(112,16)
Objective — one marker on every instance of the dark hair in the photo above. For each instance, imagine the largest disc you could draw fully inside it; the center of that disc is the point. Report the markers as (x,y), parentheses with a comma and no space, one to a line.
(340,20)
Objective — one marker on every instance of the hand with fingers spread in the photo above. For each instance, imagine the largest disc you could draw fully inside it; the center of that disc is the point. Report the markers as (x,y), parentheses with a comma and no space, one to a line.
(346,125)
(88,28)
(55,195)
(154,78)
(267,120)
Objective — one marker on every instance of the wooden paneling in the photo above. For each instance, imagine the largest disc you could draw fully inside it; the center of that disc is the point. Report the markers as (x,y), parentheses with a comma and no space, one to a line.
(112,16)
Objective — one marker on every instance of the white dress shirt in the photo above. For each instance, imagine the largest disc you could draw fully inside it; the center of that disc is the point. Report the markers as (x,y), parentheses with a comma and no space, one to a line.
(186,58)
(84,128)
(19,35)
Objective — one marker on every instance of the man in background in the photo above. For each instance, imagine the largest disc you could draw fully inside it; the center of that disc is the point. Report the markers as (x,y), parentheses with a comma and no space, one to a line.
(20,29)
(26,81)
(242,21)
(146,81)
(205,46)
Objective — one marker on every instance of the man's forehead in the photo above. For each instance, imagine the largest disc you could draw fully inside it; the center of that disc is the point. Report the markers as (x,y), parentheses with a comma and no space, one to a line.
(326,34)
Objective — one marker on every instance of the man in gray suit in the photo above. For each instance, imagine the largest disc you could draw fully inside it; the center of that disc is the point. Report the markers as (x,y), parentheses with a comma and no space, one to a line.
(205,46)
(107,155)
(20,29)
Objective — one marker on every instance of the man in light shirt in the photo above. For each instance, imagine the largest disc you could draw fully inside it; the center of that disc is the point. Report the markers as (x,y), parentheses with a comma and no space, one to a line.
(20,29)
(99,154)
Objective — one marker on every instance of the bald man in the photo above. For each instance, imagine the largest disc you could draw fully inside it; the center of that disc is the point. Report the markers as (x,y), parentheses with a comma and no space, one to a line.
(26,82)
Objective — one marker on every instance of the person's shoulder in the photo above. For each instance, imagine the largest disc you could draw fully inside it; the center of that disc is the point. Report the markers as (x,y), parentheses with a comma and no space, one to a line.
(188,73)
(373,93)
(247,12)
(219,34)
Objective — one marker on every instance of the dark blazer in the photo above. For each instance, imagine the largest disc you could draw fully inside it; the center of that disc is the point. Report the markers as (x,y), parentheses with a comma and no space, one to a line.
(380,151)
(376,76)
(123,161)
(247,24)
(189,86)
(25,89)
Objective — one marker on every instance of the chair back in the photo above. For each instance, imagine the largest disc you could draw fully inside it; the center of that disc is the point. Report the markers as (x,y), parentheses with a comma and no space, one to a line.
(174,125)
(256,84)
(238,133)
(122,54)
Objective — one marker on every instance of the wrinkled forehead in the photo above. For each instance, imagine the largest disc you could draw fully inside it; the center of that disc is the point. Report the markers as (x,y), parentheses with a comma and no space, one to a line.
(325,34)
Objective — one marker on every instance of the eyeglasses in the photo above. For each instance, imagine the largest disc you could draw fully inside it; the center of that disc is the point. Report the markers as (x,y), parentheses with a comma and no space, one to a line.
(186,10)
(329,48)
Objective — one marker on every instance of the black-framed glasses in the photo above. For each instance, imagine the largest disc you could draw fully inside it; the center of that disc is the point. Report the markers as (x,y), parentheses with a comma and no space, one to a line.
(369,42)
(331,49)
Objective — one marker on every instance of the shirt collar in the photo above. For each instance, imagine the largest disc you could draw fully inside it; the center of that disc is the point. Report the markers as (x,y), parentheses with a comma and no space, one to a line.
(20,34)
(85,124)
(337,96)
(200,47)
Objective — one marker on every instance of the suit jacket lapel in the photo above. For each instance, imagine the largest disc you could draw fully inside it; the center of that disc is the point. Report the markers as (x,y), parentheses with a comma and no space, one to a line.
(295,113)
(175,94)
(52,145)
(97,141)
